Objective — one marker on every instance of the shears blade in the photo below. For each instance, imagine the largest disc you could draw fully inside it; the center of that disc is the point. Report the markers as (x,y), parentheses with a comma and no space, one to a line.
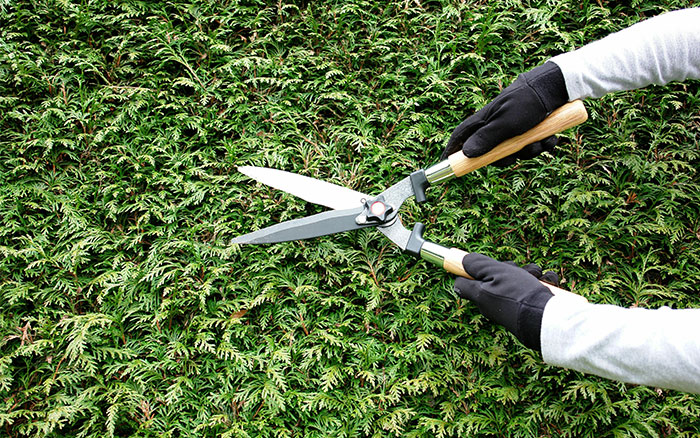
(348,205)
(309,189)
(321,224)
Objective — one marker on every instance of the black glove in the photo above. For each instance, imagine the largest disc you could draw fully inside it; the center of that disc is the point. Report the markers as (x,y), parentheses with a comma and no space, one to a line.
(521,106)
(508,295)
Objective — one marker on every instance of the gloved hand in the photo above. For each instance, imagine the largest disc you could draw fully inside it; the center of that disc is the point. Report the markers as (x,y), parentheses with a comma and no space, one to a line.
(508,295)
(521,106)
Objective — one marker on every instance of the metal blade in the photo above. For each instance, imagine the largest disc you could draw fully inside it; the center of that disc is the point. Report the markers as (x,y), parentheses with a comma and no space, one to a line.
(397,233)
(398,193)
(328,222)
(395,196)
(308,189)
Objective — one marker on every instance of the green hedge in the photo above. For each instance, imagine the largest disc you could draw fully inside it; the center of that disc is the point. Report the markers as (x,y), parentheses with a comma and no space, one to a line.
(124,311)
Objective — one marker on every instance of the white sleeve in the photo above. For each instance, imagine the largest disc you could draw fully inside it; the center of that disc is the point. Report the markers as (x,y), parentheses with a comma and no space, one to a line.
(659,348)
(655,51)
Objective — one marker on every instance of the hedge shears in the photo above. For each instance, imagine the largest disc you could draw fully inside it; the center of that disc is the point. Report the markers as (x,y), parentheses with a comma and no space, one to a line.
(352,210)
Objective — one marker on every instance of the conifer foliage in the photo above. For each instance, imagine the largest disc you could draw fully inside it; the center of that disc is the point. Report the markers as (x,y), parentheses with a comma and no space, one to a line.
(124,311)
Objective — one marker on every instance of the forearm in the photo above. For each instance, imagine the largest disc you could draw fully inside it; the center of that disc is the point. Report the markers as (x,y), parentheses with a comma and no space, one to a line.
(658,348)
(655,51)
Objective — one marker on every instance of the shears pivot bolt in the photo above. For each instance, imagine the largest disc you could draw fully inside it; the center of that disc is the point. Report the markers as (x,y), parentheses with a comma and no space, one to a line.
(375,211)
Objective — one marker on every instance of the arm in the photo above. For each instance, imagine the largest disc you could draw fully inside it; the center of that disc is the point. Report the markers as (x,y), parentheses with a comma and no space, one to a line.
(659,50)
(650,347)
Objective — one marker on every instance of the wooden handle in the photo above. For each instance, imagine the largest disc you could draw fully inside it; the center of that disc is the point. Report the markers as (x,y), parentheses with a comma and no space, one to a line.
(564,117)
(453,264)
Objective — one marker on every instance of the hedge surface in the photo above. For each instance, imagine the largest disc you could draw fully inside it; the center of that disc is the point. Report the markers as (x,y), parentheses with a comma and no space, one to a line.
(124,310)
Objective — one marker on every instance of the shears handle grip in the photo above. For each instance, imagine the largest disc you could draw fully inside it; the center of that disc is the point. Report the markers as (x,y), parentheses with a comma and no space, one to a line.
(565,117)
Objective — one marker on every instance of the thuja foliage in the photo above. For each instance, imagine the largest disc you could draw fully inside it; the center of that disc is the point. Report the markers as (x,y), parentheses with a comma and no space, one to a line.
(124,310)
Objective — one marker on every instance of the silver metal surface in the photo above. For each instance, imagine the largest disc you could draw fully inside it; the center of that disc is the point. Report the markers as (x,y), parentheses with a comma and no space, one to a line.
(328,222)
(309,189)
(434,253)
(398,193)
(439,172)
(395,197)
(397,233)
